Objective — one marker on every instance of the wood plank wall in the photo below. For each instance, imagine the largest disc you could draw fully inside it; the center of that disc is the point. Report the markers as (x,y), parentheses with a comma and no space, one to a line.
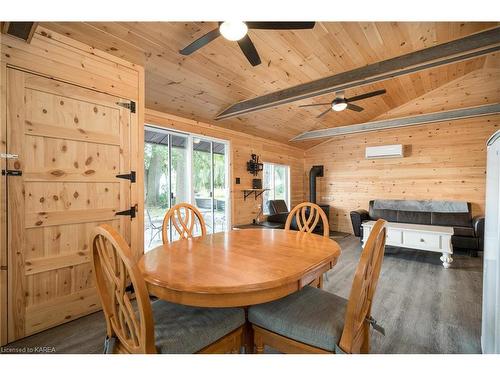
(442,161)
(241,147)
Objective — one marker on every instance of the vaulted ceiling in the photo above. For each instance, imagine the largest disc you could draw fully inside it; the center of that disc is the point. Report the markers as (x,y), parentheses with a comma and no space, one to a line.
(203,84)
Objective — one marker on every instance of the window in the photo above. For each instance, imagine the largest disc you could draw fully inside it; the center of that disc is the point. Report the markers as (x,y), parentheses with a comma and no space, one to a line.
(277,180)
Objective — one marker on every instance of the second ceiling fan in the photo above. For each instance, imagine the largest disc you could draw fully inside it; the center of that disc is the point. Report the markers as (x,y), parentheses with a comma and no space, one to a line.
(237,31)
(341,102)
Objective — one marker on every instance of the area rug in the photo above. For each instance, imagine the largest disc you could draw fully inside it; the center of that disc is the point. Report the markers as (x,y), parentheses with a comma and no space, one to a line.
(334,235)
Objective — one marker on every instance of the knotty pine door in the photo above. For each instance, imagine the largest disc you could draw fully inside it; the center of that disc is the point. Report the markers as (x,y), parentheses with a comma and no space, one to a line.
(71,144)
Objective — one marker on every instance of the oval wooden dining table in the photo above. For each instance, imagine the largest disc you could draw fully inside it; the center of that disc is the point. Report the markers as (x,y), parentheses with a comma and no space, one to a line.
(237,268)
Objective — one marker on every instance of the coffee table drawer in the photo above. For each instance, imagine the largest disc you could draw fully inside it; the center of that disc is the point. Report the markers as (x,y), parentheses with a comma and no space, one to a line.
(422,240)
(394,237)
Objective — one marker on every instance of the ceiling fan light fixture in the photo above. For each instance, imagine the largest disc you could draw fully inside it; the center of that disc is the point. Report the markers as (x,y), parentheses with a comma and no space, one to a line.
(339,105)
(233,30)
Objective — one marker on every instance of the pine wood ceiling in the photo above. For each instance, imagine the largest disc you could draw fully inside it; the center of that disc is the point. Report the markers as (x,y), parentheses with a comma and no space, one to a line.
(203,84)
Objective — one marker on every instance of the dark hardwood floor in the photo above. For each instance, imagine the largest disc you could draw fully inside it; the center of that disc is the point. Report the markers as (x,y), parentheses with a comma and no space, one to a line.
(423,307)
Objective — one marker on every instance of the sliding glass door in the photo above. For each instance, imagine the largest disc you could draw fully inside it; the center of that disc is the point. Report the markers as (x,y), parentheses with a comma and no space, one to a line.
(184,168)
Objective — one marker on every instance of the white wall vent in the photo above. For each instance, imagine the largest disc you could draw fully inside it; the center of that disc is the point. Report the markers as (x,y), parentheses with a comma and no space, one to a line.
(389,151)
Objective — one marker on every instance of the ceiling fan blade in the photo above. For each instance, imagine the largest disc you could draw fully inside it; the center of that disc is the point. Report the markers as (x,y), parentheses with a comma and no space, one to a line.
(313,105)
(280,25)
(354,107)
(367,95)
(200,42)
(323,113)
(249,50)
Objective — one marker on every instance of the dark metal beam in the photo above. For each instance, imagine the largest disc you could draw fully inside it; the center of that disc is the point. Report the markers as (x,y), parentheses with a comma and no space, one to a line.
(455,114)
(469,47)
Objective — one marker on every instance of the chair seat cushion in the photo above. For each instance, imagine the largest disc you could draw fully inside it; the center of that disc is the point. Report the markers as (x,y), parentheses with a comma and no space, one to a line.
(463,231)
(183,329)
(311,316)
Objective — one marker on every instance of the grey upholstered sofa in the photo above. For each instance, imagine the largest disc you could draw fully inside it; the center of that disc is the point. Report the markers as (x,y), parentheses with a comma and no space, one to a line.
(468,230)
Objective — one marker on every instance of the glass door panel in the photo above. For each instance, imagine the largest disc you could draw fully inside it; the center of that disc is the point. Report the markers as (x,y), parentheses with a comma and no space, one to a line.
(202,180)
(156,185)
(220,187)
(179,176)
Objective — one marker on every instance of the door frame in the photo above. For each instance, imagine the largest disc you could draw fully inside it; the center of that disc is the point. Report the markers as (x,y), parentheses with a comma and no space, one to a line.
(15,134)
(3,207)
(190,137)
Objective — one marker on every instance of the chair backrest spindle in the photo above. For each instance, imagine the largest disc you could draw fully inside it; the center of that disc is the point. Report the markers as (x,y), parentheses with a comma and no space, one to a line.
(307,216)
(183,217)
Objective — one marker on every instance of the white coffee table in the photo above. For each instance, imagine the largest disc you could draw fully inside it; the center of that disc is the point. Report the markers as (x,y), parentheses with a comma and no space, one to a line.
(416,236)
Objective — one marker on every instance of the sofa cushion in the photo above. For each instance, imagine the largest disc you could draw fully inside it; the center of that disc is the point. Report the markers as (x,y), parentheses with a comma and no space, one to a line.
(388,215)
(466,243)
(463,231)
(183,329)
(452,219)
(414,217)
(311,316)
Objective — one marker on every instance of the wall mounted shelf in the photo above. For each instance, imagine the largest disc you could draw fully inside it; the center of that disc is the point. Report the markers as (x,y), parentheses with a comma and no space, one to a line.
(256,192)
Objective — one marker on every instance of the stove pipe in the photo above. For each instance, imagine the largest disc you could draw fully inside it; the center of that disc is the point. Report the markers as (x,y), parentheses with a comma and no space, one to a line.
(316,171)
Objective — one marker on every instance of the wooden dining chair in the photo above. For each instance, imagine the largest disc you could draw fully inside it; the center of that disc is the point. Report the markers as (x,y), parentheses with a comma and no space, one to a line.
(307,216)
(315,321)
(160,327)
(184,218)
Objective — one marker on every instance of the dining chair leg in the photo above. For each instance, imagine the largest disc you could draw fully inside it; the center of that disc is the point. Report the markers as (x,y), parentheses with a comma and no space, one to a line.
(365,347)
(259,344)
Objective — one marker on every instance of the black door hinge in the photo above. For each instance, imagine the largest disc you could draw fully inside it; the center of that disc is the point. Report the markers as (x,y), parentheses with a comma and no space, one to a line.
(11,172)
(130,212)
(128,176)
(130,105)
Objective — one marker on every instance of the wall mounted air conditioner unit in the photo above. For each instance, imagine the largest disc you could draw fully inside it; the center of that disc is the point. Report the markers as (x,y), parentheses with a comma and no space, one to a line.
(389,151)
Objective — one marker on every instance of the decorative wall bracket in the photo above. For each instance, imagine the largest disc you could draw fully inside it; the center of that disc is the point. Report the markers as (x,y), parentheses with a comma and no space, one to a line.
(256,192)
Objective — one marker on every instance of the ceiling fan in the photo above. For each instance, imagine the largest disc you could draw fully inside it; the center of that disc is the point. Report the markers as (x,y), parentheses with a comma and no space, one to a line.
(237,31)
(341,102)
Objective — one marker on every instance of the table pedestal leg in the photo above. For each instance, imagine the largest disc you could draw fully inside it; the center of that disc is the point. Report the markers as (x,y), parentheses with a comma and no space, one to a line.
(446,259)
(248,335)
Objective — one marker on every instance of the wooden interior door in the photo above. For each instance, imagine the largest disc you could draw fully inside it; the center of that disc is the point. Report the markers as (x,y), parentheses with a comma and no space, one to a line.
(71,144)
